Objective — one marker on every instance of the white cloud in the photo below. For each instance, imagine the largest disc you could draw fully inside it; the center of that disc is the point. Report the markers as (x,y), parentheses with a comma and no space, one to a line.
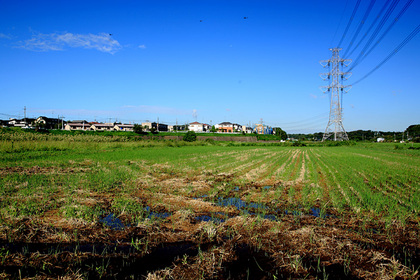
(56,42)
(142,46)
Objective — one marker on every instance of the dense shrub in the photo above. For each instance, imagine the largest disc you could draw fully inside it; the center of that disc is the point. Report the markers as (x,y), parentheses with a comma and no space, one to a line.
(190,136)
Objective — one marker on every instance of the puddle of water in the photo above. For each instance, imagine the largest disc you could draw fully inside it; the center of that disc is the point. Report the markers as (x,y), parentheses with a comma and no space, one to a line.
(239,203)
(270,217)
(112,221)
(156,215)
(316,212)
(266,188)
(206,218)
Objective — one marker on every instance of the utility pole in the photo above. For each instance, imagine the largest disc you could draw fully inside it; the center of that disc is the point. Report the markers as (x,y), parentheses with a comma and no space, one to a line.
(335,76)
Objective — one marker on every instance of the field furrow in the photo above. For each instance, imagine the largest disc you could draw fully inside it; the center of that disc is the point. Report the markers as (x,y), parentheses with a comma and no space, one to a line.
(177,210)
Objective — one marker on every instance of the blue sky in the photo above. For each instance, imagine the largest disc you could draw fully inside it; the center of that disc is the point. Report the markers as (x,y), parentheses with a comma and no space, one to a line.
(206,61)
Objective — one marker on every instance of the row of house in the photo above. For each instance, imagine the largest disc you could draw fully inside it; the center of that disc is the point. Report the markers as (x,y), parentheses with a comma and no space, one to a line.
(43,122)
(224,127)
(83,125)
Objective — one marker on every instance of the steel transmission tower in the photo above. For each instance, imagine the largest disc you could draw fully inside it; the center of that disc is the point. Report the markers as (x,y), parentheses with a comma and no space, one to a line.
(336,88)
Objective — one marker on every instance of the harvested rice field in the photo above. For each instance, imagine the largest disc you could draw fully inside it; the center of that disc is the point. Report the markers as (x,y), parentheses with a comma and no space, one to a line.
(82,208)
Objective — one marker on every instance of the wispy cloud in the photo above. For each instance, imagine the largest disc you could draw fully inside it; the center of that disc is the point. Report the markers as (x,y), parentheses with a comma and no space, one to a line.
(5,36)
(60,41)
(142,46)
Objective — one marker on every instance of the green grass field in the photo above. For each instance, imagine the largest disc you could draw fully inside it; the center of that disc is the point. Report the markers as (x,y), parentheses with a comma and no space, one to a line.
(313,212)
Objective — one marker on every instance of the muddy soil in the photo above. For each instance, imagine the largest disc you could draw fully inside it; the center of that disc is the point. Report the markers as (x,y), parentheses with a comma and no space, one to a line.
(240,242)
(202,227)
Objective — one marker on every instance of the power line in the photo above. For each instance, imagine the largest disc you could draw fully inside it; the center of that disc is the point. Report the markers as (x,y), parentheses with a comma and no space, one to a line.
(397,49)
(349,23)
(310,123)
(304,120)
(370,27)
(362,22)
(362,54)
(339,23)
(400,14)
(317,124)
(10,116)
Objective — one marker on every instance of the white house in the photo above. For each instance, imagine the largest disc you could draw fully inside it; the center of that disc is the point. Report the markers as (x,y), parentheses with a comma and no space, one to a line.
(124,127)
(24,123)
(77,125)
(246,129)
(102,126)
(196,127)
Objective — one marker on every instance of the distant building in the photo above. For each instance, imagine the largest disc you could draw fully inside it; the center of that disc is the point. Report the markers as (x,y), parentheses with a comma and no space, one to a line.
(4,123)
(228,127)
(196,127)
(124,127)
(263,129)
(157,126)
(22,123)
(246,129)
(49,123)
(77,125)
(180,127)
(102,126)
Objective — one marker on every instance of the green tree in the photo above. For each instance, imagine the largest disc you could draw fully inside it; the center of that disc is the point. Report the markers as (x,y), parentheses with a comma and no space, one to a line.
(138,129)
(213,129)
(39,125)
(414,130)
(190,136)
(280,133)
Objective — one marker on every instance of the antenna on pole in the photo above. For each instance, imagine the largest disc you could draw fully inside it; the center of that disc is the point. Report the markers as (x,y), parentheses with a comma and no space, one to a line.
(336,88)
